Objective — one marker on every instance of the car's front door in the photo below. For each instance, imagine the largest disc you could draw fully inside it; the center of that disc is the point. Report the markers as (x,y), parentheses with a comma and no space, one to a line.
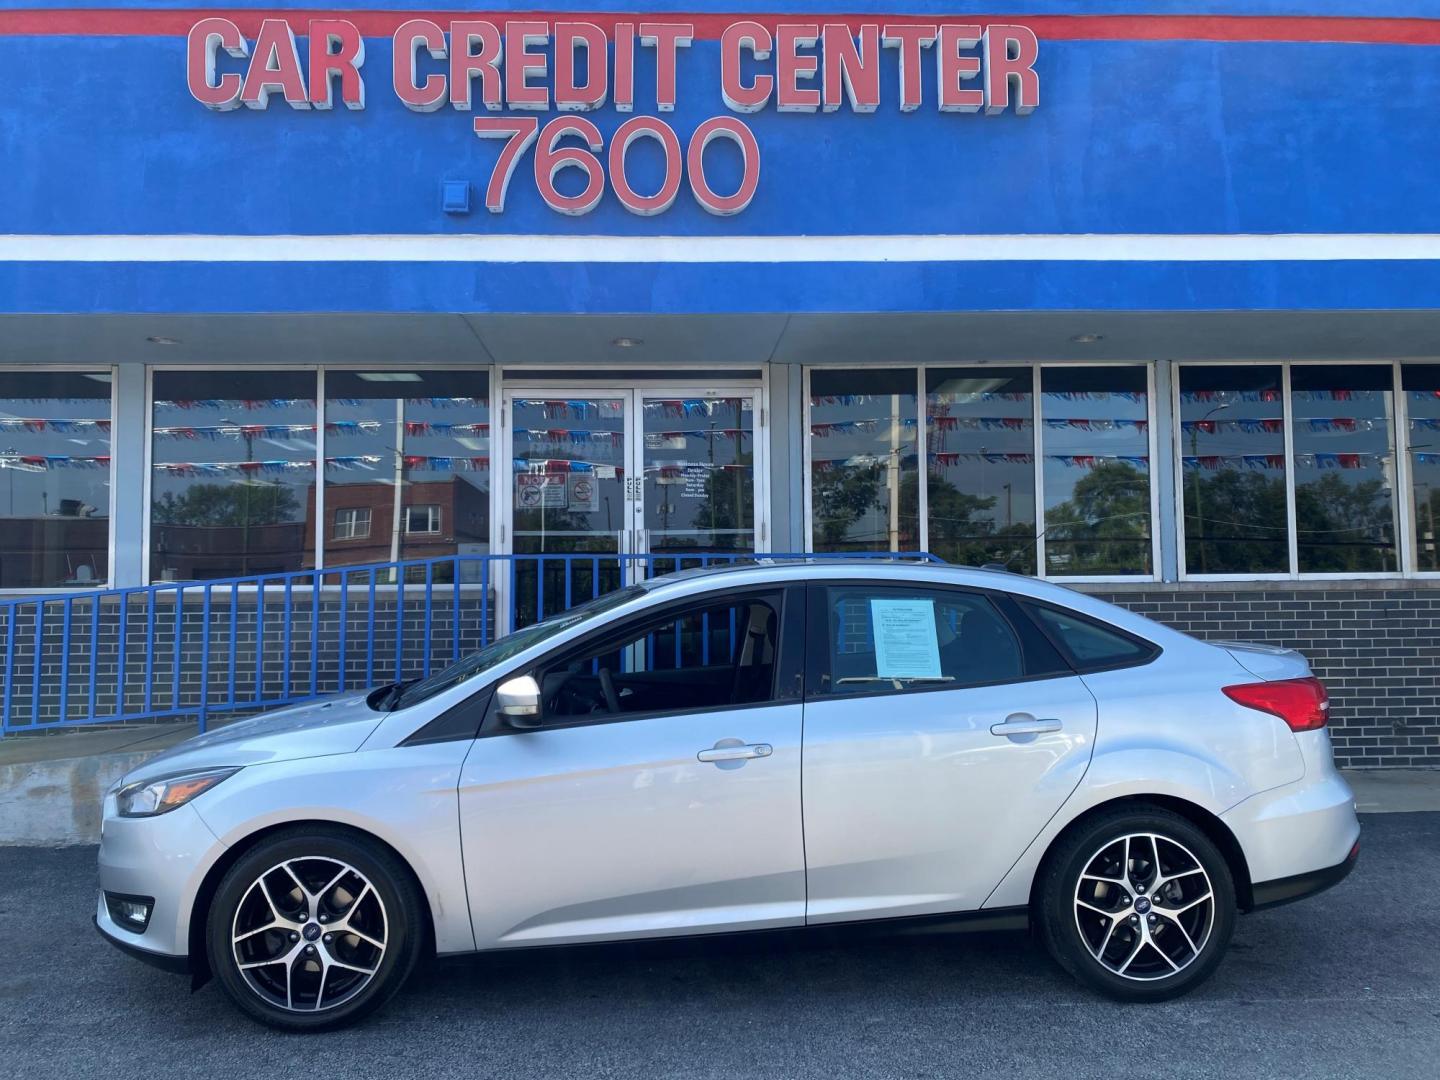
(660,793)
(941,732)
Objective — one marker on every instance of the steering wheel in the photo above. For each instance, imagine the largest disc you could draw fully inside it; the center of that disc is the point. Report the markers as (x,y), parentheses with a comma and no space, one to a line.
(607,686)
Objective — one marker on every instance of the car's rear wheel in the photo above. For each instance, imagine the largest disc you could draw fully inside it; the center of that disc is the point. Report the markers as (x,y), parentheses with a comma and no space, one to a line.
(314,928)
(1138,904)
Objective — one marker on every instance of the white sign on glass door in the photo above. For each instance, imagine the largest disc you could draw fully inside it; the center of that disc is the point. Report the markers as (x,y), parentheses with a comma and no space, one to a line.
(535,491)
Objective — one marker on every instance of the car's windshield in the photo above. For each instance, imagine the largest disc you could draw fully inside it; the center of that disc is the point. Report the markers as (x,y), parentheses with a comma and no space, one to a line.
(502,649)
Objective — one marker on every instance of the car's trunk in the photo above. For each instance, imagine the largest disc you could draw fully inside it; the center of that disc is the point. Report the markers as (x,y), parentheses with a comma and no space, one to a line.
(1268,662)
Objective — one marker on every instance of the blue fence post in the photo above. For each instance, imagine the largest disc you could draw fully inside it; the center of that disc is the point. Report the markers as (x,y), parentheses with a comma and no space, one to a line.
(315,593)
(39,655)
(11,625)
(204,657)
(429,611)
(485,607)
(370,637)
(9,667)
(260,638)
(455,614)
(234,661)
(121,659)
(94,680)
(344,626)
(175,674)
(67,613)
(399,621)
(289,622)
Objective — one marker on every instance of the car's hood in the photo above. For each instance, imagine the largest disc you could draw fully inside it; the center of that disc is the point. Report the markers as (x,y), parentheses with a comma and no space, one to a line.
(337,725)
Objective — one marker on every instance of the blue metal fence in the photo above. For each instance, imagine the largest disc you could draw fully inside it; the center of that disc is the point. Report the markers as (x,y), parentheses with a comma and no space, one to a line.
(208,648)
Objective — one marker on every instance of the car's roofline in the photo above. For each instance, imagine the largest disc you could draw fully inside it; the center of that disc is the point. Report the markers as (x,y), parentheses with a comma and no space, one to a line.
(768,570)
(703,580)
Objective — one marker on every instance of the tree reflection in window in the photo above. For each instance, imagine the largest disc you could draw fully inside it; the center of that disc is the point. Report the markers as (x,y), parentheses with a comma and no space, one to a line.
(1344,467)
(980,445)
(1421,383)
(864,474)
(1232,447)
(1097,470)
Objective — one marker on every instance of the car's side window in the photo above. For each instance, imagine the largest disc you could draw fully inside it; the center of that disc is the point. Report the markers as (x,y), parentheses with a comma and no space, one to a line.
(885,640)
(699,658)
(1091,645)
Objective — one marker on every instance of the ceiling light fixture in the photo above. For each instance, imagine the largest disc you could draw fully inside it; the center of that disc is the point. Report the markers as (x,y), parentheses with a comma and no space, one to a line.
(626,342)
(388,376)
(158,340)
(1087,339)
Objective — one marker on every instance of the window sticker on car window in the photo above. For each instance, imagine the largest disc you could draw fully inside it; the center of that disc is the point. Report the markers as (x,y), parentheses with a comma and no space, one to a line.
(906,645)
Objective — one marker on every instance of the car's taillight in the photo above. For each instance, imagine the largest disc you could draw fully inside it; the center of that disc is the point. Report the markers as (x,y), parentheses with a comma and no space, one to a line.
(1301,703)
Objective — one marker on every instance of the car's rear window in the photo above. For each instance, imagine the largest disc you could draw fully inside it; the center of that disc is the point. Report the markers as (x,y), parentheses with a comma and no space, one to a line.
(1090,644)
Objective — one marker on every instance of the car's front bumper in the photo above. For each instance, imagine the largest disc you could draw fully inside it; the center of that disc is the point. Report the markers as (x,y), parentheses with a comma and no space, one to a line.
(176,965)
(165,857)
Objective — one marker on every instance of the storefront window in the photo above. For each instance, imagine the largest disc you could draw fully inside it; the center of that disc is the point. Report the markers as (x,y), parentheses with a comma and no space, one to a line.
(1421,383)
(864,465)
(1232,447)
(1096,470)
(1344,467)
(233,473)
(407,466)
(55,428)
(980,479)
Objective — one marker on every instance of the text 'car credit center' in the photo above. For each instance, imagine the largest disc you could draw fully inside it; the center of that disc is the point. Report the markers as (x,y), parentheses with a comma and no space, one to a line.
(1139,299)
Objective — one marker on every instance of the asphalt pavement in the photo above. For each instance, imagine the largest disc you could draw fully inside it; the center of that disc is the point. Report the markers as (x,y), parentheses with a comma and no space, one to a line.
(1343,985)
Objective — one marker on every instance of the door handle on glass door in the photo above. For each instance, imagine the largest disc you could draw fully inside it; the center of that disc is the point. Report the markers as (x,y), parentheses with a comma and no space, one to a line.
(734,750)
(1022,724)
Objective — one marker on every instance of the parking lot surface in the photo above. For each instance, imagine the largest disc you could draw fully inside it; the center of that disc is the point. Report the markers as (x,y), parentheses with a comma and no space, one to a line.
(1343,985)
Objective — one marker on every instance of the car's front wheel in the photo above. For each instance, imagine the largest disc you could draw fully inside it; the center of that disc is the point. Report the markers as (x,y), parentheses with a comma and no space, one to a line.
(314,928)
(1138,904)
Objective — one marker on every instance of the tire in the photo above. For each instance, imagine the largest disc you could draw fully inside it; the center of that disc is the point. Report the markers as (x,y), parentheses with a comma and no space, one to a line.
(1124,941)
(357,943)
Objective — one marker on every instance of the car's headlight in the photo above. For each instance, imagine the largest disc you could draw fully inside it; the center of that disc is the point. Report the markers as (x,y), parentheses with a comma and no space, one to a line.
(146,798)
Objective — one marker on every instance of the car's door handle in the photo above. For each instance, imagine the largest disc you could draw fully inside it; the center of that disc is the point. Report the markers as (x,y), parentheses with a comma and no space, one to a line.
(736,752)
(1024,725)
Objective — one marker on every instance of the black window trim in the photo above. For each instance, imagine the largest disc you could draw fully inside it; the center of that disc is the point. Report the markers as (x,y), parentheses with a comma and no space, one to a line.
(1027,605)
(818,649)
(452,725)
(789,598)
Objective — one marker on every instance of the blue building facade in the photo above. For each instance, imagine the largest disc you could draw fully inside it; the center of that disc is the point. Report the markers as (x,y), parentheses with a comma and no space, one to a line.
(1141,299)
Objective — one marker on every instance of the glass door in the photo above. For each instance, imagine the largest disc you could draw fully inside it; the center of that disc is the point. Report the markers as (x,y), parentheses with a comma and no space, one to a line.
(565,457)
(698,463)
(602,487)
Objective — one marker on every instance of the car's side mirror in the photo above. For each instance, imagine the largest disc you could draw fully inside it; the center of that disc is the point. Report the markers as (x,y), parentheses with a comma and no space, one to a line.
(518,701)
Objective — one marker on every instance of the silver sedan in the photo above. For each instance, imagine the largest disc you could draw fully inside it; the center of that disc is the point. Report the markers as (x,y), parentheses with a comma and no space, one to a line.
(760,749)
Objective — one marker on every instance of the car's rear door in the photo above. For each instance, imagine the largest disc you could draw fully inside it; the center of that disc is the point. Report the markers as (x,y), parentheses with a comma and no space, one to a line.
(656,811)
(942,731)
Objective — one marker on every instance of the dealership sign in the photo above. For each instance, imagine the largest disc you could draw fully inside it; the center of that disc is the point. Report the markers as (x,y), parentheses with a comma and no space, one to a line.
(475,65)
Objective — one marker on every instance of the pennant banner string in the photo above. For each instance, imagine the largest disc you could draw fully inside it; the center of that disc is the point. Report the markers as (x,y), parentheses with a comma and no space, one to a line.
(17,424)
(45,462)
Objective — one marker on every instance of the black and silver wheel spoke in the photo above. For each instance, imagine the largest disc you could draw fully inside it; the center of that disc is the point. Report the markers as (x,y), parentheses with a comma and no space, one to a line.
(1144,906)
(309,934)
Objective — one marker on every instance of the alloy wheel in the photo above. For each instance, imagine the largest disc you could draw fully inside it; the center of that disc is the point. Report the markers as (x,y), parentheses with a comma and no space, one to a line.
(309,934)
(1144,906)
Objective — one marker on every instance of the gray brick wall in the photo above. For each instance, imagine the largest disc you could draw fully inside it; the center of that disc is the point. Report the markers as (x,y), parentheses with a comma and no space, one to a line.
(1376,644)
